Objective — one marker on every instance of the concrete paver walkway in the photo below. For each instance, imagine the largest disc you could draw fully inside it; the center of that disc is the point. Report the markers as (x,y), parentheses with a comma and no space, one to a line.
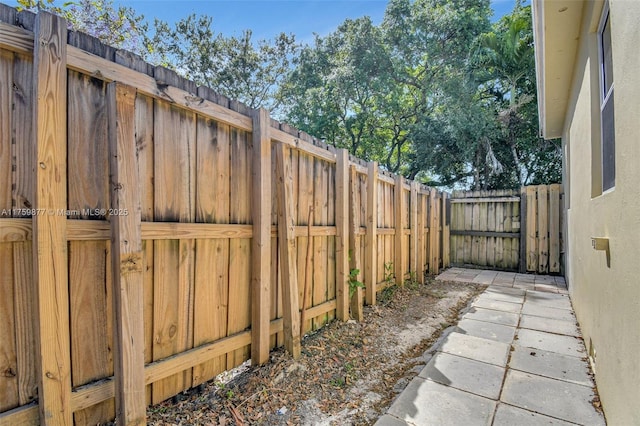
(515,358)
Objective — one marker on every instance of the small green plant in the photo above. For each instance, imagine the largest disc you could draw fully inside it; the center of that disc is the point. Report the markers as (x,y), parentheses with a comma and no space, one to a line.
(411,280)
(354,284)
(389,274)
(337,381)
(229,394)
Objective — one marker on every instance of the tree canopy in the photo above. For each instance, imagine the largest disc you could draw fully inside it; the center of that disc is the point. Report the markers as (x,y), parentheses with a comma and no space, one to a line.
(435,91)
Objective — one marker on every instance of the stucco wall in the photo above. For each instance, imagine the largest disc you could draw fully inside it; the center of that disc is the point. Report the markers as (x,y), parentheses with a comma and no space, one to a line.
(607,300)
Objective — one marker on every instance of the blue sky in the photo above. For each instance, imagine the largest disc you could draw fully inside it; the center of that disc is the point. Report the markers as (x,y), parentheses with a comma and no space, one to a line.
(267,18)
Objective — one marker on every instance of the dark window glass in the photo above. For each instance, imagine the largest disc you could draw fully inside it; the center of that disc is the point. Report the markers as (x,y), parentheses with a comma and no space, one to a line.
(607,121)
(607,66)
(608,146)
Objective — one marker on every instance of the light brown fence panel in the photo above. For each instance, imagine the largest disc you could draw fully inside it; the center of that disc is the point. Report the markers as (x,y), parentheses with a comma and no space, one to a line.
(485,228)
(508,230)
(204,270)
(543,228)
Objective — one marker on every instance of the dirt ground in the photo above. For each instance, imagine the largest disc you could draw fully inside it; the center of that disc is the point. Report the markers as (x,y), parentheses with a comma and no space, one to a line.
(348,373)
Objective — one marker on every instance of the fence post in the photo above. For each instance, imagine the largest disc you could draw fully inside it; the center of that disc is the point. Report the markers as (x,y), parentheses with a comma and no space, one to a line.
(399,208)
(342,240)
(532,230)
(127,257)
(523,230)
(422,221)
(433,232)
(261,241)
(370,277)
(444,216)
(413,224)
(287,247)
(354,243)
(50,227)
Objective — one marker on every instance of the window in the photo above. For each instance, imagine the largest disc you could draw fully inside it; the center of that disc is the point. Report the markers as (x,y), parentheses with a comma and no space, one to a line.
(607,133)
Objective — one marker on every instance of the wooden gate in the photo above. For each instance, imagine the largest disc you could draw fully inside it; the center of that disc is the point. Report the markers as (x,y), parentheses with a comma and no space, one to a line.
(507,229)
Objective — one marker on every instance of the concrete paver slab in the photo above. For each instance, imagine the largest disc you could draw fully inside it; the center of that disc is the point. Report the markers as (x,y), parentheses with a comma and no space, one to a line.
(465,374)
(486,330)
(503,290)
(503,297)
(548,380)
(388,420)
(568,328)
(566,345)
(476,348)
(497,305)
(489,315)
(523,285)
(550,364)
(538,310)
(557,301)
(507,415)
(550,397)
(424,402)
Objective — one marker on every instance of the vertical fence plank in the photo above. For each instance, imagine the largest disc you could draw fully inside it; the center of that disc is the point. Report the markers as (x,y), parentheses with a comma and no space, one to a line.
(174,268)
(212,256)
(261,242)
(532,229)
(554,228)
(413,223)
(239,311)
(399,206)
(445,219)
(126,257)
(342,237)
(49,229)
(371,239)
(433,232)
(422,240)
(543,238)
(354,244)
(522,268)
(287,246)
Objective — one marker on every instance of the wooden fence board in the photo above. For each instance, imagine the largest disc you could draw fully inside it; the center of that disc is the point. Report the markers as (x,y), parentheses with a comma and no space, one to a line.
(212,255)
(400,207)
(261,241)
(91,306)
(23,132)
(343,244)
(532,228)
(127,256)
(239,313)
(50,241)
(287,247)
(8,354)
(543,230)
(554,228)
(173,259)
(371,241)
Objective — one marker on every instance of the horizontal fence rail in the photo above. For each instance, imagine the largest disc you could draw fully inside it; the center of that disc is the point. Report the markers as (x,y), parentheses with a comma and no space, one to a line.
(154,234)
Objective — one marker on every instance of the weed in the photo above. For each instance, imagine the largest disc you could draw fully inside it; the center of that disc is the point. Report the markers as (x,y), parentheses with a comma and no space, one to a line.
(389,274)
(338,382)
(354,284)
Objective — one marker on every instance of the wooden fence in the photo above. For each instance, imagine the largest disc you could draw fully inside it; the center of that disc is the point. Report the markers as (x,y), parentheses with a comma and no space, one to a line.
(154,234)
(511,230)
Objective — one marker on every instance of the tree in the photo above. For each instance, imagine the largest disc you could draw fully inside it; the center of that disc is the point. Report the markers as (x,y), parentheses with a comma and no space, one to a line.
(238,68)
(119,27)
(504,61)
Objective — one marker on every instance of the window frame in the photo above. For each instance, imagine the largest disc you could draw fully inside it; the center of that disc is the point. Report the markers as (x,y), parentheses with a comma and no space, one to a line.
(605,98)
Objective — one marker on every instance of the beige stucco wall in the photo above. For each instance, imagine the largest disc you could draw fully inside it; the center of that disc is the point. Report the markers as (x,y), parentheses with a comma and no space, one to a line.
(607,300)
